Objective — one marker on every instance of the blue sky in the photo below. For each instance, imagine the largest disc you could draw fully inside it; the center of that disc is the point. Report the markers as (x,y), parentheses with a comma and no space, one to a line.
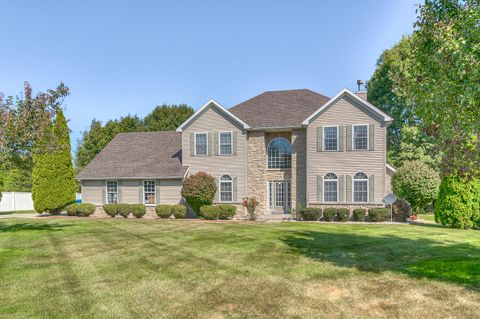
(121,57)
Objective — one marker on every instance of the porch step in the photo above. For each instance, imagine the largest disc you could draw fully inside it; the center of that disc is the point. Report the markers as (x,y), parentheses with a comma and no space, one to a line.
(275,217)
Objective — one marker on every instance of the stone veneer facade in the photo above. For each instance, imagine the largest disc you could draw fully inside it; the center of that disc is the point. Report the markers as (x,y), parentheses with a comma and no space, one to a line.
(259,174)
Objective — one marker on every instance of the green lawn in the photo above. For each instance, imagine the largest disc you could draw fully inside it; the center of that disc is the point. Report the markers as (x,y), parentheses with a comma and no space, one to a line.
(86,268)
(427,217)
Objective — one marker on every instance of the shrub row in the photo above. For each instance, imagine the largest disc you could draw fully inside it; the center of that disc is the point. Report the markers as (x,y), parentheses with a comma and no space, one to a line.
(166,211)
(137,210)
(377,214)
(80,209)
(212,212)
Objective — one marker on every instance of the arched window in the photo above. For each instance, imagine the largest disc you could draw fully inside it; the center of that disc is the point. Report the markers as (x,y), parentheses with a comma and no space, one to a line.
(330,188)
(226,188)
(279,153)
(360,188)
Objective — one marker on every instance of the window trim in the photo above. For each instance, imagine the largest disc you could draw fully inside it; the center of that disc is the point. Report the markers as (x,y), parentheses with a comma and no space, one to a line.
(361,180)
(220,143)
(353,137)
(195,143)
(154,192)
(220,181)
(279,168)
(323,139)
(330,180)
(106,190)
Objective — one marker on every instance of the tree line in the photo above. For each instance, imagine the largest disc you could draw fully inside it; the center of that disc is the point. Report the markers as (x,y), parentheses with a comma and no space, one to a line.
(429,82)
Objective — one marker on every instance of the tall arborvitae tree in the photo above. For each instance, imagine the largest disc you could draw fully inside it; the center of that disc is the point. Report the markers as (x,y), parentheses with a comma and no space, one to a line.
(53,175)
(43,174)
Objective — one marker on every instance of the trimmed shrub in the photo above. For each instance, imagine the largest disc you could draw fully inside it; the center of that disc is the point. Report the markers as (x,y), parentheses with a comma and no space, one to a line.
(458,202)
(378,214)
(209,212)
(137,210)
(111,209)
(417,183)
(227,211)
(85,209)
(179,211)
(199,190)
(359,214)
(401,210)
(71,209)
(343,214)
(163,211)
(310,214)
(329,214)
(123,210)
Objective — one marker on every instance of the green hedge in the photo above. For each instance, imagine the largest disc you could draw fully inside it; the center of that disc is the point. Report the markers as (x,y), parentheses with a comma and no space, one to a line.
(138,210)
(378,214)
(329,214)
(359,214)
(166,211)
(71,210)
(343,214)
(210,212)
(111,209)
(163,211)
(84,209)
(310,214)
(226,211)
(179,211)
(123,210)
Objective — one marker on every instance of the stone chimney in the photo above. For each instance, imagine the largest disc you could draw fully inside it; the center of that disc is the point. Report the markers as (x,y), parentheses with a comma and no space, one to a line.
(361,92)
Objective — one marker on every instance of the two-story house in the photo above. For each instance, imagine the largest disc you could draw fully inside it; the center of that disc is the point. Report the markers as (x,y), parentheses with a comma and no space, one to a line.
(286,148)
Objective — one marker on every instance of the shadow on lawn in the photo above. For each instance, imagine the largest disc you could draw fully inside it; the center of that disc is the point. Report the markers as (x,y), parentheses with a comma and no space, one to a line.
(14,227)
(423,258)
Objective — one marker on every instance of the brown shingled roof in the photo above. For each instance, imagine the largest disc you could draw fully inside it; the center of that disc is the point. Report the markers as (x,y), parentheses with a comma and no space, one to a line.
(138,155)
(279,108)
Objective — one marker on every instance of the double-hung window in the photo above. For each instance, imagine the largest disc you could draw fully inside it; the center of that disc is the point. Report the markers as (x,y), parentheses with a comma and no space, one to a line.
(226,189)
(330,138)
(112,192)
(360,188)
(201,144)
(360,137)
(330,188)
(149,192)
(225,143)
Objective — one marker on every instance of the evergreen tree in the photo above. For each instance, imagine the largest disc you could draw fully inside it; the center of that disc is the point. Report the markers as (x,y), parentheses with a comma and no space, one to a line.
(53,175)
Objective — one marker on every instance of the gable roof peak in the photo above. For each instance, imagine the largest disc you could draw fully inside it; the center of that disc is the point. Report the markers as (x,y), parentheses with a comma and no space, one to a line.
(211,103)
(345,91)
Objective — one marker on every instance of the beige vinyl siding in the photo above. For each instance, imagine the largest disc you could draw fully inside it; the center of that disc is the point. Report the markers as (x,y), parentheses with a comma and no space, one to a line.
(213,121)
(346,112)
(130,191)
(92,191)
(170,191)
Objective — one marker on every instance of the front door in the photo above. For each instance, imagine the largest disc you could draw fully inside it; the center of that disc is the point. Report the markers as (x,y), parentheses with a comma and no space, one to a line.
(279,196)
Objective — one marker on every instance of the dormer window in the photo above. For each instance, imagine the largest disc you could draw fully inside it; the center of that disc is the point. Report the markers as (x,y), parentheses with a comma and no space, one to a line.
(201,144)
